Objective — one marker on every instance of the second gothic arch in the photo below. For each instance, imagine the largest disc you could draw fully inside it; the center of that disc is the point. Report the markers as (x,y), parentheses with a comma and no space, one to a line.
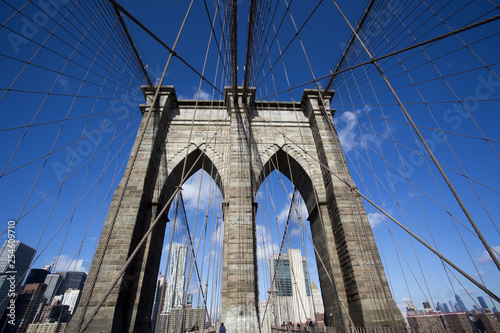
(293,167)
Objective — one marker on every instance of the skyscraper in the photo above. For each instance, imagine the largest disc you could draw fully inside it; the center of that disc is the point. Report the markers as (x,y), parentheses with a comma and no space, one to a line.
(461,305)
(176,278)
(28,305)
(293,292)
(452,307)
(71,280)
(53,281)
(482,303)
(36,275)
(23,255)
(317,299)
(71,298)
(157,303)
(446,309)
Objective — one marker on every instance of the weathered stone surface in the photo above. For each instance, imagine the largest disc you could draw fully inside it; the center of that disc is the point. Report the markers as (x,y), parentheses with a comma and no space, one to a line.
(239,144)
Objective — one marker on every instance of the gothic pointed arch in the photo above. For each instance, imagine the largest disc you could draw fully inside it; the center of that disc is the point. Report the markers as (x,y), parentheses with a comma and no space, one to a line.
(184,168)
(293,167)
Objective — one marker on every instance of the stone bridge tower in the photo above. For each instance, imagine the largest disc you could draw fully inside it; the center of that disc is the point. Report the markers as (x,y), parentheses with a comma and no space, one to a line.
(239,142)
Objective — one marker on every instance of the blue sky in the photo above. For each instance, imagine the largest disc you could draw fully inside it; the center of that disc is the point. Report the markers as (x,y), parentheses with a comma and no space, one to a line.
(90,148)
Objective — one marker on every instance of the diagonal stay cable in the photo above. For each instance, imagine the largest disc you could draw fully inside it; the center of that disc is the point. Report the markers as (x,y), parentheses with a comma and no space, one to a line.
(171,50)
(127,32)
(424,243)
(411,47)
(417,131)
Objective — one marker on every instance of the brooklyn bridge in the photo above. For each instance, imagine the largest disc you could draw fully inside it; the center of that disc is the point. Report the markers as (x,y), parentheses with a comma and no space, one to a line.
(251,166)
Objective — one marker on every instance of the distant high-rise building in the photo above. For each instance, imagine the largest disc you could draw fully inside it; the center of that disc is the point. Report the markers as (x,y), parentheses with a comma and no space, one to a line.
(446,309)
(56,300)
(427,306)
(266,317)
(53,281)
(452,307)
(487,322)
(293,291)
(410,307)
(52,313)
(440,307)
(71,280)
(457,322)
(180,320)
(157,303)
(425,323)
(56,327)
(36,275)
(71,298)
(461,305)
(176,278)
(29,304)
(440,322)
(317,299)
(482,303)
(23,254)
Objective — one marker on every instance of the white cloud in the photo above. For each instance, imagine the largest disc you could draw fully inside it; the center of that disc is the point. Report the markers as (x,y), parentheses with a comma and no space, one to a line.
(191,189)
(351,135)
(218,234)
(403,302)
(63,263)
(265,247)
(375,219)
(282,216)
(486,258)
(204,95)
(299,208)
(346,137)
(413,195)
(64,82)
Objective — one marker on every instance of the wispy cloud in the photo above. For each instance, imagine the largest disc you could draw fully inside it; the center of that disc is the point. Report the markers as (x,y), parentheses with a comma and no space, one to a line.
(204,95)
(486,258)
(299,208)
(351,135)
(479,273)
(403,302)
(265,246)
(64,82)
(218,234)
(64,263)
(375,219)
(198,186)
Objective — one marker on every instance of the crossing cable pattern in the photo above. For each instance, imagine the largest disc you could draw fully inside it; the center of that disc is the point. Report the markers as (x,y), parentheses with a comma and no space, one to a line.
(414,82)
